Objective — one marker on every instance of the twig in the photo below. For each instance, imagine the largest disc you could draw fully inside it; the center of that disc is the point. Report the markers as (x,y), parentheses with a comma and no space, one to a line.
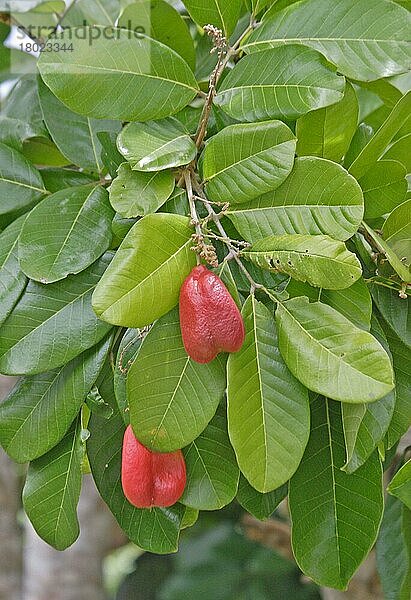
(193,212)
(202,249)
(233,253)
(220,43)
(224,56)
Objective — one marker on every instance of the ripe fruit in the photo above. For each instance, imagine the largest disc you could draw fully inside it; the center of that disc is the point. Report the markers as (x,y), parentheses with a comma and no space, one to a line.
(209,318)
(151,478)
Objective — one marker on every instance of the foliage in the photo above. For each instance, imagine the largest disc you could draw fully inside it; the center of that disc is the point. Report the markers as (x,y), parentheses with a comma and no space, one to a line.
(125,159)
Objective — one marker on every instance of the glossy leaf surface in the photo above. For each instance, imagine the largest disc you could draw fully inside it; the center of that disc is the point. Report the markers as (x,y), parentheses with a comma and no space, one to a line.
(45,331)
(135,194)
(244,161)
(145,276)
(318,197)
(52,491)
(319,260)
(284,82)
(365,41)
(268,410)
(329,355)
(171,397)
(39,410)
(212,471)
(51,248)
(150,80)
(156,145)
(342,511)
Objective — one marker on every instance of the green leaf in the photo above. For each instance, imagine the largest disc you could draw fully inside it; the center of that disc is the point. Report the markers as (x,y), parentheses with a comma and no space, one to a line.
(74,135)
(245,160)
(225,273)
(400,485)
(120,228)
(331,356)
(177,203)
(52,491)
(328,132)
(364,428)
(163,23)
(20,182)
(110,156)
(51,248)
(365,41)
(23,104)
(365,425)
(95,403)
(384,186)
(399,267)
(150,80)
(49,328)
(219,13)
(156,145)
(42,151)
(50,6)
(284,83)
(259,505)
(334,515)
(40,409)
(134,194)
(380,140)
(318,197)
(154,530)
(401,357)
(60,179)
(12,279)
(171,397)
(397,232)
(212,471)
(268,410)
(361,138)
(394,550)
(354,302)
(190,517)
(94,12)
(14,132)
(387,92)
(399,151)
(143,281)
(396,311)
(127,352)
(319,260)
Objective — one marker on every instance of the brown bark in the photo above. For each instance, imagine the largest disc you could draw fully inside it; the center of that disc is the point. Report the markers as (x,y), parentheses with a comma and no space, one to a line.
(75,573)
(10,531)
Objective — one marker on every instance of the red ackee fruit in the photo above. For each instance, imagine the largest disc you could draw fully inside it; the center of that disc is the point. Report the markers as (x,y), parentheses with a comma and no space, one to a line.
(151,478)
(209,318)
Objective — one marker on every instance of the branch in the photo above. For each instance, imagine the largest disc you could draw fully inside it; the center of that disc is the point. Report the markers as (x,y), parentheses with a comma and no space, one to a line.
(233,253)
(202,250)
(224,55)
(220,44)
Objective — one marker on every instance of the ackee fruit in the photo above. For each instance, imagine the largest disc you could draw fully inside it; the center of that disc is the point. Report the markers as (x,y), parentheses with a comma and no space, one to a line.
(209,318)
(151,478)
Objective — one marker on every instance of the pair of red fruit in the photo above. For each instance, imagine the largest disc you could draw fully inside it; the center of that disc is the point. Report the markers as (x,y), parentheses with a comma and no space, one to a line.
(210,323)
